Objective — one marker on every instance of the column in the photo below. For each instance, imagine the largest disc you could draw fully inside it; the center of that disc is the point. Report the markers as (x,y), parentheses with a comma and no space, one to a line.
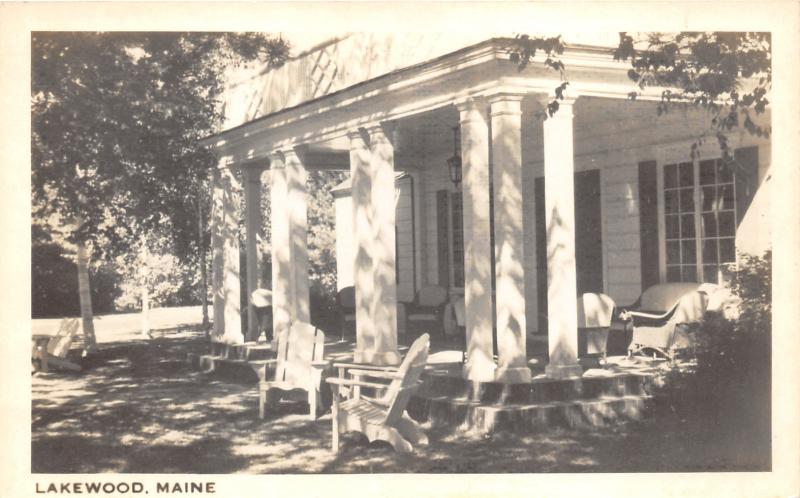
(290,295)
(372,178)
(477,248)
(252,201)
(562,304)
(509,239)
(281,261)
(383,207)
(298,230)
(225,263)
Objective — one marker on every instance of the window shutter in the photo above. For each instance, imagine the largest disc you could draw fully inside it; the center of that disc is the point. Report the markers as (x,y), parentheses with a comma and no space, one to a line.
(746,175)
(648,223)
(442,237)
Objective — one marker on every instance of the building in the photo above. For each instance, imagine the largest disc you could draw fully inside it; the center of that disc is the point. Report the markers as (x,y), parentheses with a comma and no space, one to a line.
(603,196)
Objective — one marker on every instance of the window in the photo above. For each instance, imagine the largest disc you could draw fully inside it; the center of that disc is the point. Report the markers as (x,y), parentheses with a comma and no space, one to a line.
(699,220)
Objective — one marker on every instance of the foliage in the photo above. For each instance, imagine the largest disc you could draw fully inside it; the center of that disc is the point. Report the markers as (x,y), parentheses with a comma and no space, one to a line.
(116,118)
(728,74)
(732,368)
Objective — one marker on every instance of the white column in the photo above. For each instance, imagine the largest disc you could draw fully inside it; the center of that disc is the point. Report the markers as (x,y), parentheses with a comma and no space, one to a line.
(383,208)
(217,258)
(372,178)
(252,202)
(281,247)
(298,230)
(477,248)
(227,312)
(562,304)
(509,239)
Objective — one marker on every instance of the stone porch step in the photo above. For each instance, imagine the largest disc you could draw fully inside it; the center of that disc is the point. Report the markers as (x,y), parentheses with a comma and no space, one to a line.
(518,417)
(246,351)
(539,390)
(236,370)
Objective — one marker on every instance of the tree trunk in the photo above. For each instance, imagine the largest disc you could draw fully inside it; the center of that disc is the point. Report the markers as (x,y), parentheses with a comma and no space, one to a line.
(203,271)
(85,297)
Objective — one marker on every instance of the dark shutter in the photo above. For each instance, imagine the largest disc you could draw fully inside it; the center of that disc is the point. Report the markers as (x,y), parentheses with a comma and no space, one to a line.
(648,223)
(541,256)
(746,175)
(588,232)
(442,237)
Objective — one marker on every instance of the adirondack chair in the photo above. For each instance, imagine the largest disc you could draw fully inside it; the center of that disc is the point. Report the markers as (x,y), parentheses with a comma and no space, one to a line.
(298,369)
(51,351)
(383,418)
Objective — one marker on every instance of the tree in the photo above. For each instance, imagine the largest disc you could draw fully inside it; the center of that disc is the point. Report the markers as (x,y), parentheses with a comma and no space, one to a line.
(116,120)
(727,74)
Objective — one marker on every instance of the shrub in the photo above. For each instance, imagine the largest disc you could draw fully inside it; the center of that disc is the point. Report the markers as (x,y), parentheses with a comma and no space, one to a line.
(731,366)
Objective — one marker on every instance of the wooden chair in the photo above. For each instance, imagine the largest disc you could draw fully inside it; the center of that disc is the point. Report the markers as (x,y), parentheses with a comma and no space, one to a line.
(346,301)
(51,351)
(426,312)
(666,332)
(298,369)
(383,418)
(594,319)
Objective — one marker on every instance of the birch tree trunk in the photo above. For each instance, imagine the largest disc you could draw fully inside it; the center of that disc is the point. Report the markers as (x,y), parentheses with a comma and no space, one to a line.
(145,310)
(85,297)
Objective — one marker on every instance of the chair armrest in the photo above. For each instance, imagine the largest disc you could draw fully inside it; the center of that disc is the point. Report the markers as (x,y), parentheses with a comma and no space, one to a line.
(320,364)
(352,382)
(375,373)
(360,366)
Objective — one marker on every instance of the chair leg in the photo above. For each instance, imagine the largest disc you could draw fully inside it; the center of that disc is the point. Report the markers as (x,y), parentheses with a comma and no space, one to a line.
(411,430)
(313,399)
(335,422)
(262,402)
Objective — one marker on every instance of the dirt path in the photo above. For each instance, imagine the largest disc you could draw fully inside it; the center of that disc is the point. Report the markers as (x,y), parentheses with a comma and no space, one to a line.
(140,408)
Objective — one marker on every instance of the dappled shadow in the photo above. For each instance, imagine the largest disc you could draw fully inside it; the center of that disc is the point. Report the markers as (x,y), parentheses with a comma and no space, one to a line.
(140,408)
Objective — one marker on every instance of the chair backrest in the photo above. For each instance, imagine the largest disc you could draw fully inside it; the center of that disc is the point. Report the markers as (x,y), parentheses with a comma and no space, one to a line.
(431,295)
(662,297)
(346,298)
(301,345)
(261,298)
(594,310)
(401,388)
(59,344)
(691,307)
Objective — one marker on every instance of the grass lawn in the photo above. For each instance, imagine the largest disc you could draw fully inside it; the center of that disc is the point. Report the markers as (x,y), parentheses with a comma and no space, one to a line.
(138,407)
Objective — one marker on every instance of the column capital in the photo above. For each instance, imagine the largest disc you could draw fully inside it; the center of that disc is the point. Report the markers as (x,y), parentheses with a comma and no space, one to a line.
(380,127)
(470,103)
(504,104)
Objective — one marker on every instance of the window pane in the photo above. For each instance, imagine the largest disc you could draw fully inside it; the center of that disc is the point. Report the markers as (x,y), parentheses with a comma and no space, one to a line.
(687,200)
(671,201)
(687,226)
(726,193)
(707,168)
(724,172)
(709,198)
(688,251)
(710,273)
(686,175)
(727,226)
(673,227)
(727,250)
(673,273)
(709,251)
(689,273)
(709,225)
(673,252)
(670,175)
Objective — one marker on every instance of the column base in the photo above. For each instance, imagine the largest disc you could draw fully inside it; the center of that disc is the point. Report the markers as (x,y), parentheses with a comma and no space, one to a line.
(479,369)
(563,371)
(380,358)
(513,375)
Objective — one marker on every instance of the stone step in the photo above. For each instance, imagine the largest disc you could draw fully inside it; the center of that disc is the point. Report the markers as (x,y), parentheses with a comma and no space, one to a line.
(518,417)
(247,351)
(540,390)
(241,371)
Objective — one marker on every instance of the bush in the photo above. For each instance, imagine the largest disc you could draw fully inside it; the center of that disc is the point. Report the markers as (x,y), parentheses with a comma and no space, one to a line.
(731,367)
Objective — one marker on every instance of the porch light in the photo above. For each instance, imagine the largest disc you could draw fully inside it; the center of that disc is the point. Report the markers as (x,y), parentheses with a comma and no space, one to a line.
(454,163)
